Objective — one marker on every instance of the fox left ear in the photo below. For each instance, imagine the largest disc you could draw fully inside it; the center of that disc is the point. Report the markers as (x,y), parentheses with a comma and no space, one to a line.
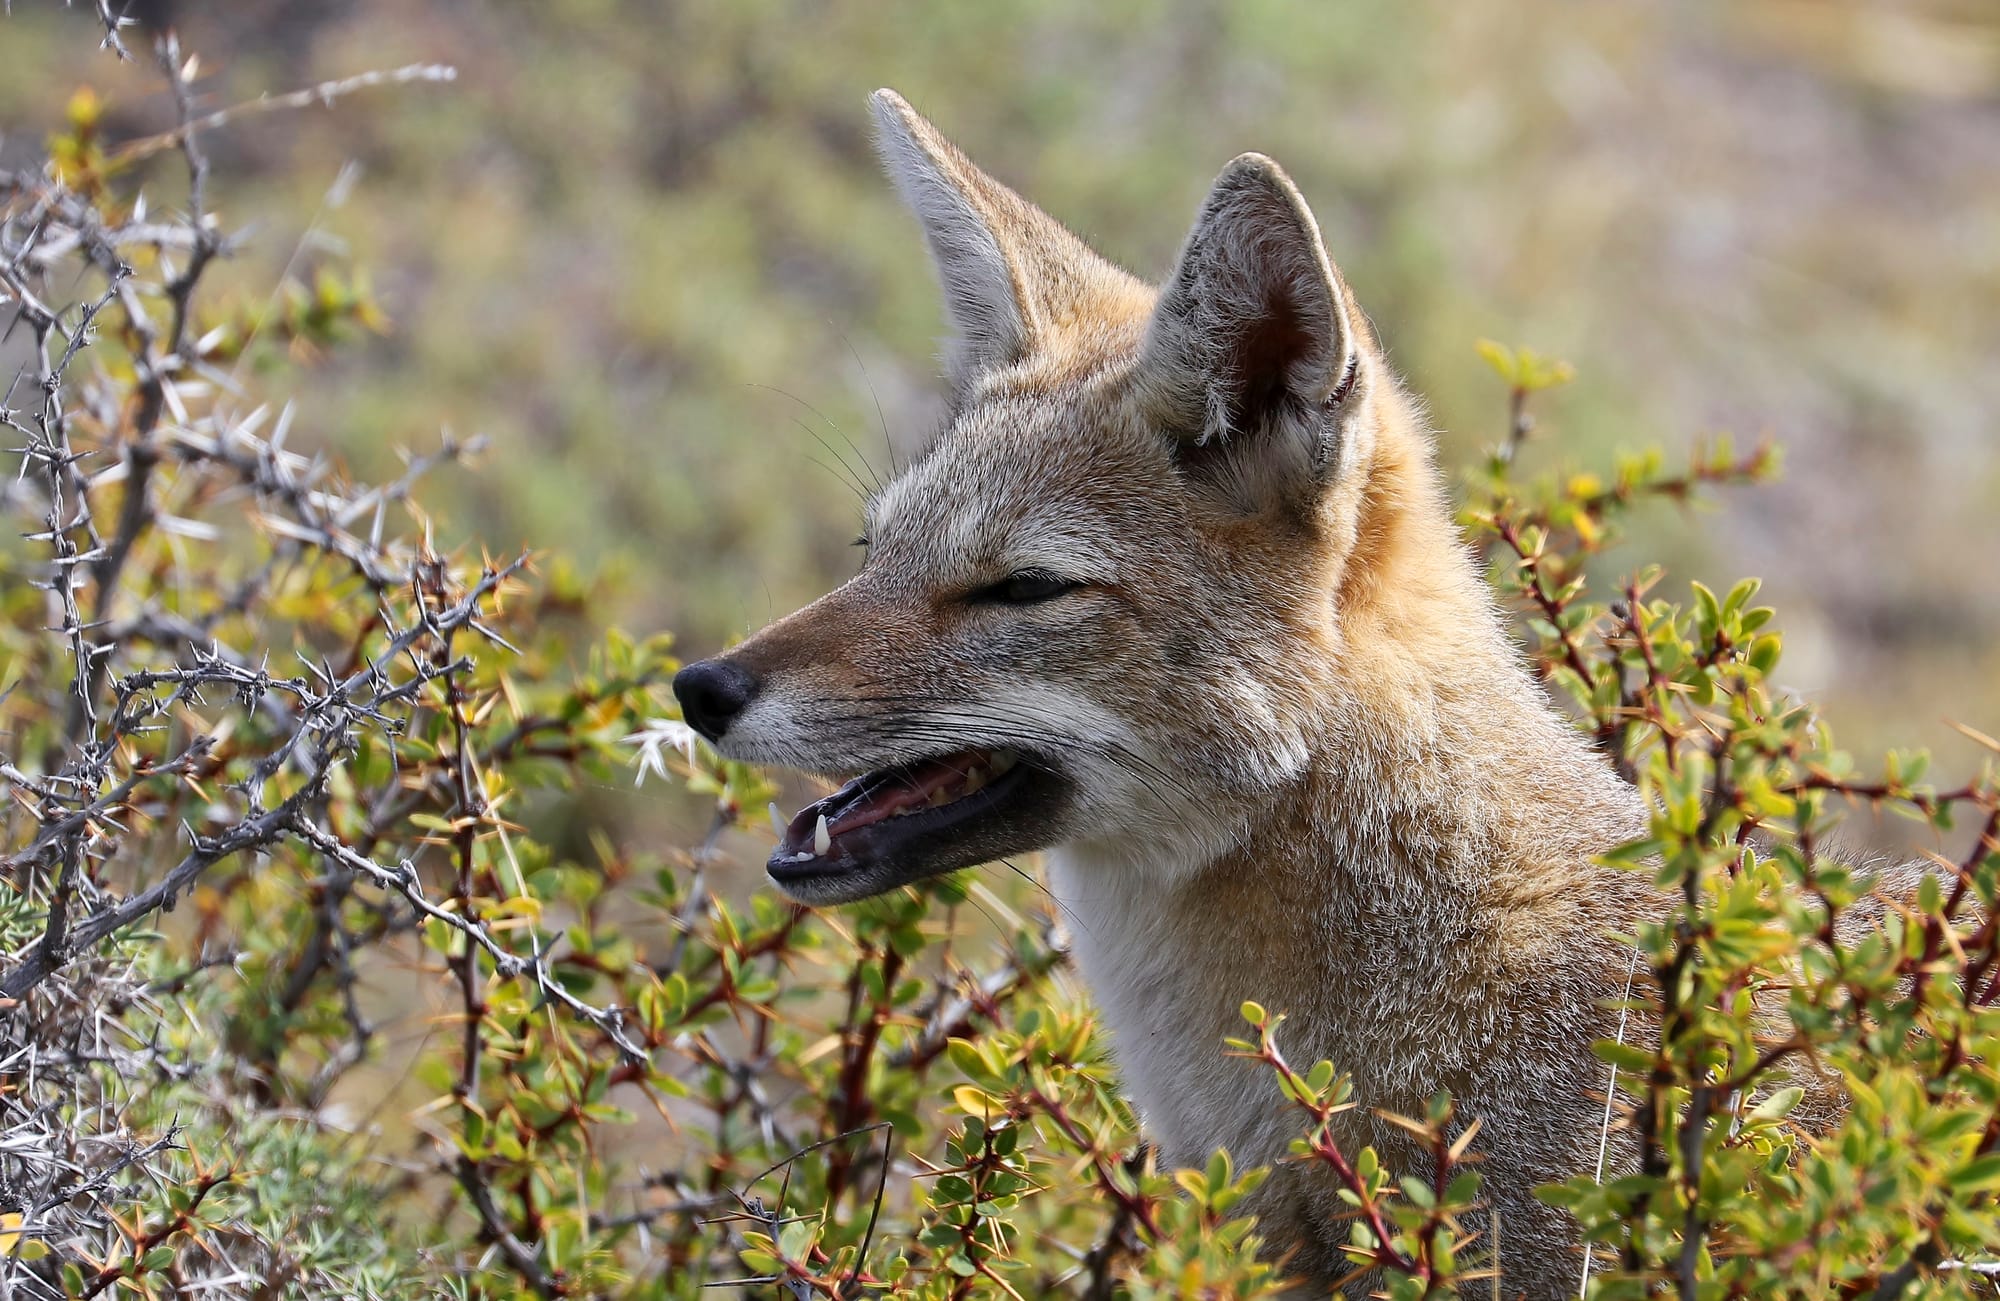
(1252,338)
(1013,277)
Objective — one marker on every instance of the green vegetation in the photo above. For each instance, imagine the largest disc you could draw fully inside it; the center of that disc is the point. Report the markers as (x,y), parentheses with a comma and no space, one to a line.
(444,1010)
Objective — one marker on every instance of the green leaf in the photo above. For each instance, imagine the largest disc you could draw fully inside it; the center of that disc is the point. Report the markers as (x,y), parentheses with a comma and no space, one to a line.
(1981,1174)
(1500,357)
(1777,1106)
(1625,1057)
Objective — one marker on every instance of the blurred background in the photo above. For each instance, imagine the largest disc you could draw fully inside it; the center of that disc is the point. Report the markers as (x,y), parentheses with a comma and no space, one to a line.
(646,250)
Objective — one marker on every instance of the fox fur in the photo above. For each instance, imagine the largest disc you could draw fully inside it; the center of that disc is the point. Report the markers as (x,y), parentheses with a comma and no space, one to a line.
(1296,754)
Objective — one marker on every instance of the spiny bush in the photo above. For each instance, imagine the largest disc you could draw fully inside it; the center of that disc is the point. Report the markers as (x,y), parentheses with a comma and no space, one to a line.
(239,680)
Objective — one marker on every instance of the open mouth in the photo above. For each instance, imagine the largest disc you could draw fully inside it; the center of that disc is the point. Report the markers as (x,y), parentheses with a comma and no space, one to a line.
(896,825)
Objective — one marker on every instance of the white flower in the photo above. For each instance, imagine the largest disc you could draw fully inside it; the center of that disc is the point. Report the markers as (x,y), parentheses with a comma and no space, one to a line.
(652,741)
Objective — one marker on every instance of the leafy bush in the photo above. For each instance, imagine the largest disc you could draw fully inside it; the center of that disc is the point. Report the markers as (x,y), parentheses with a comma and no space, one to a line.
(240,680)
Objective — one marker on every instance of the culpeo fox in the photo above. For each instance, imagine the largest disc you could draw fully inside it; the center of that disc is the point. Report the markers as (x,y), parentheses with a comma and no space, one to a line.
(1177,597)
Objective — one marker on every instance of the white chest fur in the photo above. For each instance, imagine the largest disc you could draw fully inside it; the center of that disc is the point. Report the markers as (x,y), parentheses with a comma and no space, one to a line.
(1157,975)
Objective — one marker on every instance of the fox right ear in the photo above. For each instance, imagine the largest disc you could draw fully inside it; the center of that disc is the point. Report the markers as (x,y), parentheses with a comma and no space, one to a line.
(1007,268)
(1251,353)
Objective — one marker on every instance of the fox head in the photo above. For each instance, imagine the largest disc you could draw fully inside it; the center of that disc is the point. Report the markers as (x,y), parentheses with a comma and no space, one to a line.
(1107,605)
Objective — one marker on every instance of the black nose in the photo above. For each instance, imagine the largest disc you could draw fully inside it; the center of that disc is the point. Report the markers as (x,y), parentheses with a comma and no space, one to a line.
(712,693)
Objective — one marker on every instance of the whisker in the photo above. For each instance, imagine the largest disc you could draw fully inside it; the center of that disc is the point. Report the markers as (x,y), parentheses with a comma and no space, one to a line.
(859,492)
(946,728)
(1129,758)
(1070,914)
(830,424)
(999,926)
(848,478)
(1021,726)
(888,443)
(1133,762)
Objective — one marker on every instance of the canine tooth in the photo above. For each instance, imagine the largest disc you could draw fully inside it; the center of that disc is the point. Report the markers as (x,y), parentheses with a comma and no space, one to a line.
(1002,762)
(822,838)
(777,823)
(939,798)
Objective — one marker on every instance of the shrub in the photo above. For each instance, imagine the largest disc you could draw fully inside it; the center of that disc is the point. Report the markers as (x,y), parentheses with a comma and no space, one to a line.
(241,680)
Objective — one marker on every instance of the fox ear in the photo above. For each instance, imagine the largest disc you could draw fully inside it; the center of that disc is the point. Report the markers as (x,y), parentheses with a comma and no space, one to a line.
(1252,338)
(1008,269)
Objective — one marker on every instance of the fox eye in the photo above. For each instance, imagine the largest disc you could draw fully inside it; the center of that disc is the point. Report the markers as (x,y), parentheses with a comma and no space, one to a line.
(1028,587)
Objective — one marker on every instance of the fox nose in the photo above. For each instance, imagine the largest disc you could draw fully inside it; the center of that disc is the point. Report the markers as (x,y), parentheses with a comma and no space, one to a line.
(712,693)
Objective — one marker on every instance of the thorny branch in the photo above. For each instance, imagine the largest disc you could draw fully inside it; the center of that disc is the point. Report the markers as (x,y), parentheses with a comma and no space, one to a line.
(323,94)
(325,720)
(172,705)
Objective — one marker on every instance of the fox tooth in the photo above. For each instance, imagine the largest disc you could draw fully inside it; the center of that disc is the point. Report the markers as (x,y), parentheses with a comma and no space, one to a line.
(777,823)
(1002,762)
(822,838)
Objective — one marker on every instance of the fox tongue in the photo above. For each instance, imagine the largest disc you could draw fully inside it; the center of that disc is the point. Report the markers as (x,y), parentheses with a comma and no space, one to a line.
(909,789)
(882,795)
